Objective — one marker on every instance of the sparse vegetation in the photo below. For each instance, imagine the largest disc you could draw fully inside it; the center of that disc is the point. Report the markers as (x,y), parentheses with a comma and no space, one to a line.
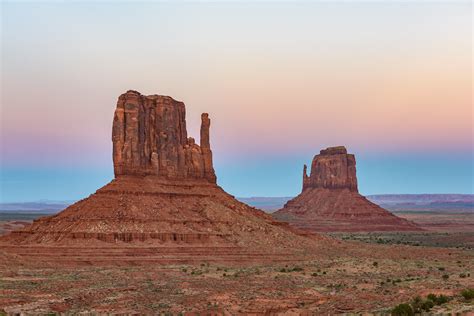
(419,305)
(438,299)
(402,310)
(468,294)
(294,269)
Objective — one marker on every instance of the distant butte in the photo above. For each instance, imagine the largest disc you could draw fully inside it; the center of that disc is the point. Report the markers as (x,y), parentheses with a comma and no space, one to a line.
(164,195)
(330,200)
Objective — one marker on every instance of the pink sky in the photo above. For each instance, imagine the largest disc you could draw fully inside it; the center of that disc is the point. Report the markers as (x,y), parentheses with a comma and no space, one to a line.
(278,79)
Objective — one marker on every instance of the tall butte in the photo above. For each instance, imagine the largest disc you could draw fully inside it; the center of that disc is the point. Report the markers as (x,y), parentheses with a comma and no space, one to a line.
(330,200)
(164,195)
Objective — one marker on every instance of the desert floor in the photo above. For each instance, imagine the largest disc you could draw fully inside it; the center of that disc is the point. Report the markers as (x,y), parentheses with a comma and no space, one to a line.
(367,278)
(362,273)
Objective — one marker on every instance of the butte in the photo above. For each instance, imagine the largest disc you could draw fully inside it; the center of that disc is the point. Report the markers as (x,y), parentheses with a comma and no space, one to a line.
(163,205)
(330,200)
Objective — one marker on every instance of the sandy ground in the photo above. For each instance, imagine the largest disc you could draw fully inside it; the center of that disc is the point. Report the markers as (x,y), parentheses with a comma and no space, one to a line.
(360,274)
(353,277)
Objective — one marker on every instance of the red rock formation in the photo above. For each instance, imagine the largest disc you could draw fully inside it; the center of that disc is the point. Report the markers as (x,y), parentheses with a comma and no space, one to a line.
(149,138)
(333,168)
(330,200)
(164,193)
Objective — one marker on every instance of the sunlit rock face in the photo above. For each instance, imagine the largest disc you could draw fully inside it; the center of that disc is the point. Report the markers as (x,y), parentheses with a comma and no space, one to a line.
(333,168)
(149,138)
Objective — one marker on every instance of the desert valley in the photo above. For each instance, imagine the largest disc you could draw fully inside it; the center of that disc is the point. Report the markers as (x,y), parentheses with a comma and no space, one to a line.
(164,238)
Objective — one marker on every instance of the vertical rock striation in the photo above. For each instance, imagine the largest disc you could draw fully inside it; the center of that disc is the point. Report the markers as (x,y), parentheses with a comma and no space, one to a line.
(149,138)
(333,168)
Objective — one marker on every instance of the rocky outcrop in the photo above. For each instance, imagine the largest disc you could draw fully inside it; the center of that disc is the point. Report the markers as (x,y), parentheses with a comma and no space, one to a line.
(333,168)
(330,200)
(149,138)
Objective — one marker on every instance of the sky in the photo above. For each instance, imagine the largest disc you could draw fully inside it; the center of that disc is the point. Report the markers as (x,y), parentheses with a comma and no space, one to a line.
(392,81)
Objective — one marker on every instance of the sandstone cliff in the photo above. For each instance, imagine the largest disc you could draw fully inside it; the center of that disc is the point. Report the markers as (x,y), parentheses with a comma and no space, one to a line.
(333,168)
(150,138)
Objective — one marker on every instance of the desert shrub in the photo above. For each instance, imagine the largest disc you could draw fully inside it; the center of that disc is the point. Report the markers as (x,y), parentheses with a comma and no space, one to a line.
(432,297)
(438,299)
(416,304)
(375,263)
(402,310)
(462,275)
(426,305)
(294,269)
(419,305)
(468,294)
(445,276)
(314,274)
(441,269)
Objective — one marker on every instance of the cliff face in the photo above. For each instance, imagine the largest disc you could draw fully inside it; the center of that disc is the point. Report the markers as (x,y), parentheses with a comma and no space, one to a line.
(149,138)
(333,168)
(330,200)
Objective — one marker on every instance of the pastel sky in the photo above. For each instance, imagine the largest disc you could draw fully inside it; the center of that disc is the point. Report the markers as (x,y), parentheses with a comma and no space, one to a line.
(392,81)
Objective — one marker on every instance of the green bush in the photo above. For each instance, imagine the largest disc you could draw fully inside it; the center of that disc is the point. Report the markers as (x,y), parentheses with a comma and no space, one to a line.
(468,294)
(427,305)
(416,304)
(402,310)
(419,305)
(438,299)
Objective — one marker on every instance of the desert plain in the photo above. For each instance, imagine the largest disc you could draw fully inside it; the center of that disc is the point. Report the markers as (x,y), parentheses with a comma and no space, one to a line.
(350,273)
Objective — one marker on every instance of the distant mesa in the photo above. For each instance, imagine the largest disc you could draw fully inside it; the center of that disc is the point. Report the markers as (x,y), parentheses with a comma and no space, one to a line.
(164,195)
(330,200)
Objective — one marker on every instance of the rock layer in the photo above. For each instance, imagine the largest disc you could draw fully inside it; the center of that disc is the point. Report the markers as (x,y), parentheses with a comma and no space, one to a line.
(330,200)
